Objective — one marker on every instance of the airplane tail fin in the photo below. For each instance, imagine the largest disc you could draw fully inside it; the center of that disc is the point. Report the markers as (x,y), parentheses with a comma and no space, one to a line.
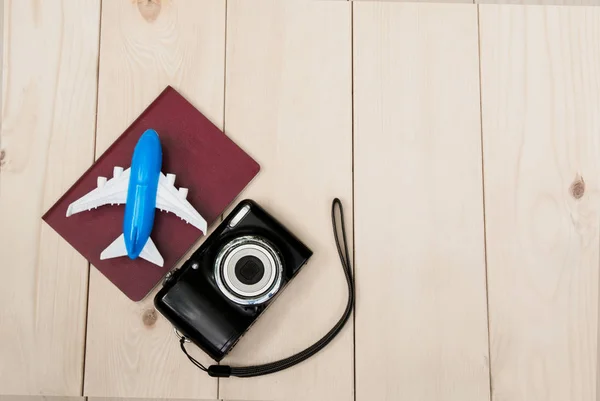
(118,248)
(115,249)
(151,254)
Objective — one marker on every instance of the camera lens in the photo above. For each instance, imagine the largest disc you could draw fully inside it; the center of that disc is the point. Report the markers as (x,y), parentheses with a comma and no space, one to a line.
(248,270)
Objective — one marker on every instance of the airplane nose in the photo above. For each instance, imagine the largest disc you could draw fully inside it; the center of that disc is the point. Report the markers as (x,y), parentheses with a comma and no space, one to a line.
(149,144)
(150,135)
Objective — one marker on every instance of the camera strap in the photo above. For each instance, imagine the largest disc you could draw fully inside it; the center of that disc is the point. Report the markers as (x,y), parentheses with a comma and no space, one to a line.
(272,367)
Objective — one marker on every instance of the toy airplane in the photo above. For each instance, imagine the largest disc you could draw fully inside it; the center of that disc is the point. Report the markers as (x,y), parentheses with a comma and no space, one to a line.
(142,188)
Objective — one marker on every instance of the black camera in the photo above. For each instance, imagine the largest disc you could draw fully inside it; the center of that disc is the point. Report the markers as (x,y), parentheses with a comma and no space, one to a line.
(231,279)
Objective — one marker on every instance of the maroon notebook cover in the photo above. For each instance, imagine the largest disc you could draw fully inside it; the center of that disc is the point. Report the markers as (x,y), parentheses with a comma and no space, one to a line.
(204,160)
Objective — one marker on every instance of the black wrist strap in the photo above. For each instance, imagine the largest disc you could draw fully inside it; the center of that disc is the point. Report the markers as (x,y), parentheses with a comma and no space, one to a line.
(268,368)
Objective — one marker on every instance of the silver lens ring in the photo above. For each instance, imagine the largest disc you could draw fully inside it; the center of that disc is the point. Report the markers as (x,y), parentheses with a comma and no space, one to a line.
(235,256)
(225,266)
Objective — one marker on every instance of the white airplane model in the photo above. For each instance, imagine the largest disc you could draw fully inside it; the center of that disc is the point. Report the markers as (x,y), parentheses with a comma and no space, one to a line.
(142,188)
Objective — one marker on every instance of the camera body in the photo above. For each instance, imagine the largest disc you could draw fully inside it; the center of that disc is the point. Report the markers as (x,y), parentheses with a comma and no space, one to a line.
(219,292)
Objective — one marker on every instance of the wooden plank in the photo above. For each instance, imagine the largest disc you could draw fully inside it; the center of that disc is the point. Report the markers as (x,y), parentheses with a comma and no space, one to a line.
(541,109)
(141,399)
(48,114)
(145,46)
(288,103)
(421,324)
(137,399)
(523,2)
(132,399)
(544,2)
(39,398)
(1,61)
(418,1)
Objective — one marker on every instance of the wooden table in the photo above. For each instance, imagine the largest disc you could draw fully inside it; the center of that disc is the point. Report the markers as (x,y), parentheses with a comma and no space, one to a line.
(464,141)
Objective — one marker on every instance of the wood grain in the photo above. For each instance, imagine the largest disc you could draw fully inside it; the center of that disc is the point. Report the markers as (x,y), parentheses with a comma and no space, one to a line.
(543,2)
(417,1)
(142,399)
(541,124)
(421,331)
(522,2)
(136,399)
(130,399)
(48,114)
(39,398)
(131,349)
(288,103)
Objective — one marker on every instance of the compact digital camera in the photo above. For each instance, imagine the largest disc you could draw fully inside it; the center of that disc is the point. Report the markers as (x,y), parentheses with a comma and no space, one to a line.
(231,279)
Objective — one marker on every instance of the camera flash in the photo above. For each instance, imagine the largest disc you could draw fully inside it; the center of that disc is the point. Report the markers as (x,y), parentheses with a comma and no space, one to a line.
(238,217)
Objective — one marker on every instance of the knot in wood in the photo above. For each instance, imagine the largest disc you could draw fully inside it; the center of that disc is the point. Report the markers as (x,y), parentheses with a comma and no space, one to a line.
(577,187)
(149,9)
(149,317)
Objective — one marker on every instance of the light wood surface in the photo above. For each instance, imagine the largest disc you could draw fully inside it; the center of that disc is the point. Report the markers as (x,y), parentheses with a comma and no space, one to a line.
(415,1)
(39,398)
(421,331)
(131,349)
(145,399)
(288,103)
(541,125)
(522,2)
(544,2)
(47,141)
(142,399)
(136,399)
(321,93)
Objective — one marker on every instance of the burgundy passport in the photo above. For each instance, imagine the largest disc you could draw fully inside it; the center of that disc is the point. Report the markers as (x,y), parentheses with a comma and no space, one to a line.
(204,160)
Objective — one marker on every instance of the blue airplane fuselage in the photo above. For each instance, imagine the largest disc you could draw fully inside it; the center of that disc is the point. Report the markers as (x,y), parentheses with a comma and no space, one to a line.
(141,193)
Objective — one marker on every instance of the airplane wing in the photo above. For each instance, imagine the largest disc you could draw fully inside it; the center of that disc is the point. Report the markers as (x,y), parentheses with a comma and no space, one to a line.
(113,191)
(169,199)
